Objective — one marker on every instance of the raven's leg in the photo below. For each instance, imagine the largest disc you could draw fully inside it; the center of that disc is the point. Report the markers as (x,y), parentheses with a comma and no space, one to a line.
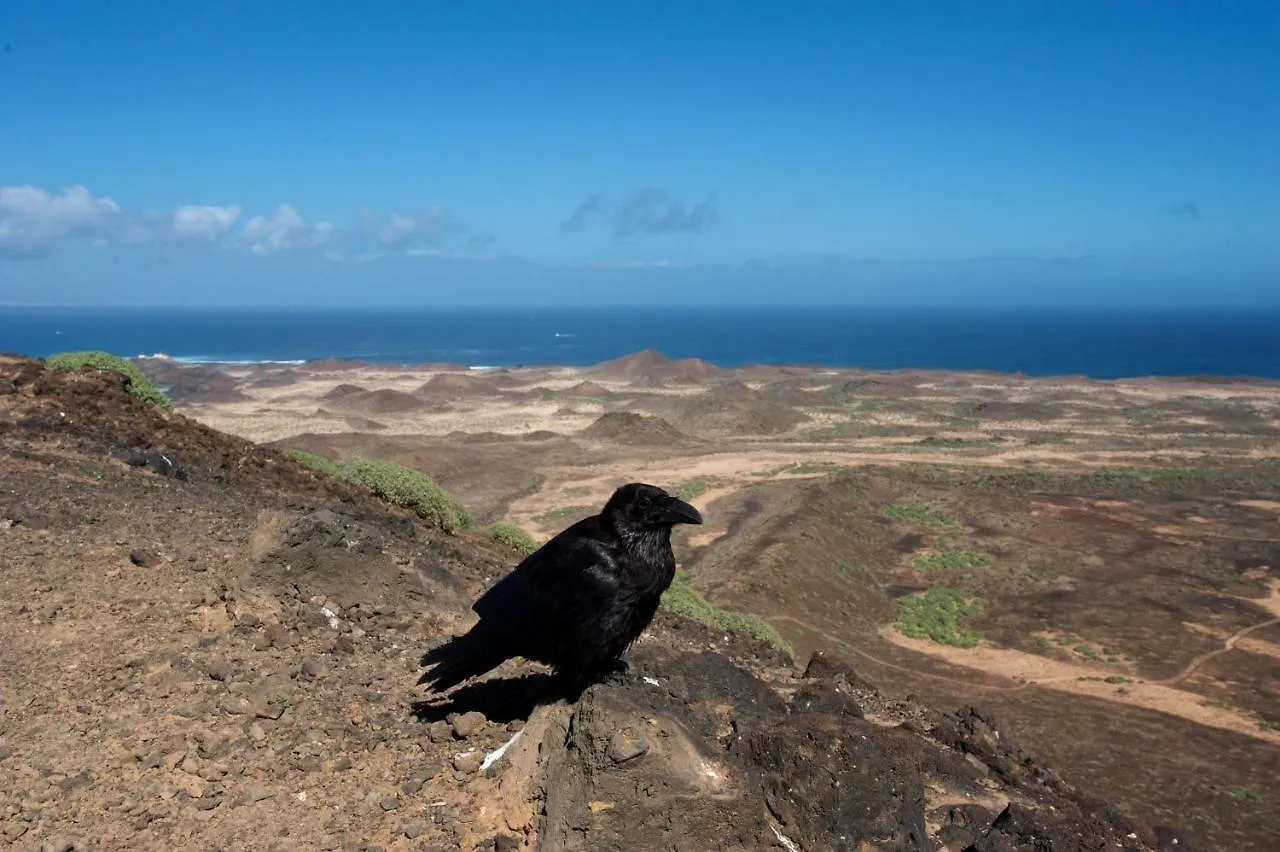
(615,671)
(572,685)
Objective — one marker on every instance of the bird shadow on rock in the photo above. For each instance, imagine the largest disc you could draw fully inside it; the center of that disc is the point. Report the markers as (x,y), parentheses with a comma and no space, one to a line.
(500,700)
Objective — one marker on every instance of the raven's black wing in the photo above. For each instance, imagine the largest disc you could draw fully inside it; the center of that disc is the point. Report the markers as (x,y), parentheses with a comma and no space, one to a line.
(558,588)
(542,610)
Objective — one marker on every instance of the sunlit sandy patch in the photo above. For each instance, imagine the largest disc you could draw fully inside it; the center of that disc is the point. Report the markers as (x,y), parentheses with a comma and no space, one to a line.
(1032,670)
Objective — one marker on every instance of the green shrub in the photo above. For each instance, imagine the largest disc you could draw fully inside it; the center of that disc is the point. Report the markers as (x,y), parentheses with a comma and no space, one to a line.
(315,461)
(682,599)
(953,560)
(692,489)
(139,385)
(409,489)
(513,536)
(920,515)
(936,615)
(560,513)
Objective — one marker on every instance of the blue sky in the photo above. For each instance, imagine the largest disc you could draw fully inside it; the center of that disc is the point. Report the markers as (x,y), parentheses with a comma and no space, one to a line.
(611,152)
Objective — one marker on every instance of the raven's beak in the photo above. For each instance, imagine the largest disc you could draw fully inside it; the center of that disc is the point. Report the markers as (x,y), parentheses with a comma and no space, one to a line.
(679,512)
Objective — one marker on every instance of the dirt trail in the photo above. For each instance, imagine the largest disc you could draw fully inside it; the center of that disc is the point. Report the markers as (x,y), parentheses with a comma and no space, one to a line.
(1031,670)
(1205,657)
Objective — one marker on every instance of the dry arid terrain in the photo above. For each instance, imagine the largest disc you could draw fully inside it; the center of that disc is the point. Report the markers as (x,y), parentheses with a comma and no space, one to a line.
(212,645)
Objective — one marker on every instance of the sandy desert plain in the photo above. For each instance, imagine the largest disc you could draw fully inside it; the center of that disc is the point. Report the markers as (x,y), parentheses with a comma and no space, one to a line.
(1096,562)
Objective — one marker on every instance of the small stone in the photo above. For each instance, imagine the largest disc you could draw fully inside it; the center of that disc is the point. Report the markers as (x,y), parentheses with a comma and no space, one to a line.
(344,645)
(235,705)
(468,763)
(505,843)
(624,746)
(414,830)
(190,764)
(273,709)
(211,743)
(279,636)
(343,765)
(469,724)
(389,803)
(207,804)
(411,786)
(439,732)
(254,793)
(14,830)
(212,771)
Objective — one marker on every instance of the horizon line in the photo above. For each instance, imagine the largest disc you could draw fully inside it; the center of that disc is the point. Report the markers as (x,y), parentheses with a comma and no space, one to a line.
(1047,306)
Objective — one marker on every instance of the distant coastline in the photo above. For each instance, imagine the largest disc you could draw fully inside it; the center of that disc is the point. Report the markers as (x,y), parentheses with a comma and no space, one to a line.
(1090,343)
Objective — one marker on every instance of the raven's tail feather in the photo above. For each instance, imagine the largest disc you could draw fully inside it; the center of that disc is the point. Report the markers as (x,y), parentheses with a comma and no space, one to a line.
(458,660)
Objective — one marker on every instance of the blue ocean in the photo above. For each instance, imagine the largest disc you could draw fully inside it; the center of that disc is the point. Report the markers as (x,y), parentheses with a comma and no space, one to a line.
(1097,343)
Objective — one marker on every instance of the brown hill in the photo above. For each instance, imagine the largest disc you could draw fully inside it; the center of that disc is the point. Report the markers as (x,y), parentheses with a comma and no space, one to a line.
(648,367)
(708,415)
(733,391)
(691,370)
(373,402)
(632,366)
(625,427)
(328,365)
(712,417)
(277,378)
(343,391)
(456,385)
(264,624)
(887,385)
(586,389)
(194,383)
(503,380)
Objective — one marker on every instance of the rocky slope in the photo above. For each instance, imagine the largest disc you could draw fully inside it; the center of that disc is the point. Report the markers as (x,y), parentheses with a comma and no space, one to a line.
(208,646)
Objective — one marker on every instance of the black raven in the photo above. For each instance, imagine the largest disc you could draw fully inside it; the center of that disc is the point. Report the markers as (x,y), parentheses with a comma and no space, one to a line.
(579,601)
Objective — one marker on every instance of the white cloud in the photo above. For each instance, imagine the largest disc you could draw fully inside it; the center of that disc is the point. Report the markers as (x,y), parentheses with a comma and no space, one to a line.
(285,230)
(34,220)
(204,221)
(411,231)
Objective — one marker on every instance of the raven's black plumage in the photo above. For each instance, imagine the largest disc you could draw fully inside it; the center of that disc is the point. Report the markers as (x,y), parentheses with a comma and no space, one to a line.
(578,602)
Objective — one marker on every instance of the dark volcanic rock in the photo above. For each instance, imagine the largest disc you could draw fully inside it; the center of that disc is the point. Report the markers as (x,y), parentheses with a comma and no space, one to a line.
(836,783)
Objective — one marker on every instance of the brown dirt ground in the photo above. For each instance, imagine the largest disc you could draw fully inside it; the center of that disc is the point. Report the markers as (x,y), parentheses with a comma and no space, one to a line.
(207,645)
(1131,526)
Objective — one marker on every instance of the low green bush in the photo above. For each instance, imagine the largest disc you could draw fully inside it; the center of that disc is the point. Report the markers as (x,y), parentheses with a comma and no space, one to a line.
(937,614)
(315,461)
(139,385)
(409,489)
(682,599)
(513,536)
